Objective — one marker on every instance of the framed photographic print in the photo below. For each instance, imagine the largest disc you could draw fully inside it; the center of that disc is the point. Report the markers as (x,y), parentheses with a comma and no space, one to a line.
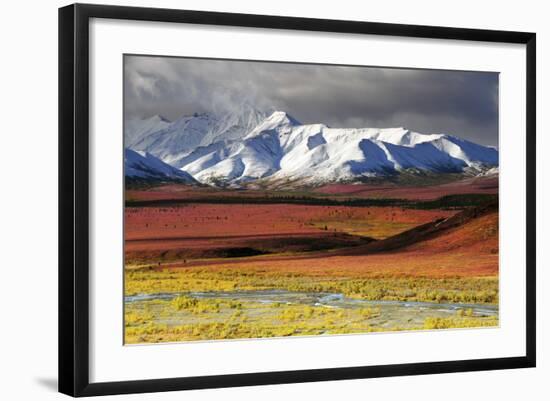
(249,199)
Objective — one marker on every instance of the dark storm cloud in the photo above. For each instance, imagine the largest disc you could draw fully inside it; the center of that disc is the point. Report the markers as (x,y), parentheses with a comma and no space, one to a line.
(460,103)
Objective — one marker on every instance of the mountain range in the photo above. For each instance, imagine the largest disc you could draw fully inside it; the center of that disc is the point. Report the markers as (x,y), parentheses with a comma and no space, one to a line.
(251,147)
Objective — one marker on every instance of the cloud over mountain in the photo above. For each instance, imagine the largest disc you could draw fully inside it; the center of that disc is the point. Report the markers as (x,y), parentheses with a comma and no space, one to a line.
(462,103)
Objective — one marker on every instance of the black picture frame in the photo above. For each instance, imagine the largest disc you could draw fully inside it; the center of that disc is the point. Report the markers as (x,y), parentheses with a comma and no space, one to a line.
(74,201)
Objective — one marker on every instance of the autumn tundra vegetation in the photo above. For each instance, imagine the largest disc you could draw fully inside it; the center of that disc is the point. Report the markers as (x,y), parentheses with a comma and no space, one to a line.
(205,263)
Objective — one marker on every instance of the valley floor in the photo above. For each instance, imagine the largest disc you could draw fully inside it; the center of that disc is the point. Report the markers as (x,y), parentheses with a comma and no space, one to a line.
(204,271)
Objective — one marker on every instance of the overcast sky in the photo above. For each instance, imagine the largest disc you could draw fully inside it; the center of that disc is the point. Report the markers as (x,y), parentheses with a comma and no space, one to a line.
(428,101)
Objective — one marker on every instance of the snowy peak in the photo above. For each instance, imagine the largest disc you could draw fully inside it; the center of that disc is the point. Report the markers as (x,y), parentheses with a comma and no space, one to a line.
(282,118)
(234,126)
(136,129)
(279,120)
(178,139)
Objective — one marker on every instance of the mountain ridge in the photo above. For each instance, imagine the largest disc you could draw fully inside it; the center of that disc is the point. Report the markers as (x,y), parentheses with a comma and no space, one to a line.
(144,166)
(186,133)
(237,150)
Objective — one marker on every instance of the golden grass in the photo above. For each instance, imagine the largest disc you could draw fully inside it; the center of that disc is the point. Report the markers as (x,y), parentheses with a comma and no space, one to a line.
(432,323)
(379,287)
(214,319)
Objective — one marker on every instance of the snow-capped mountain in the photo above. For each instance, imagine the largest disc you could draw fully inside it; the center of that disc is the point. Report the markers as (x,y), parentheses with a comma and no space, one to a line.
(142,165)
(250,146)
(281,149)
(135,129)
(184,135)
